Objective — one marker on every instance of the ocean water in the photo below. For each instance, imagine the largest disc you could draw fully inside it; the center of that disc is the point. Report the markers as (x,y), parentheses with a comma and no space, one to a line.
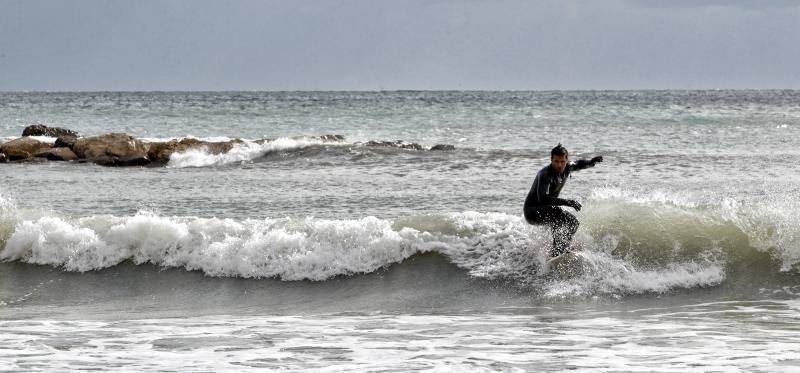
(309,255)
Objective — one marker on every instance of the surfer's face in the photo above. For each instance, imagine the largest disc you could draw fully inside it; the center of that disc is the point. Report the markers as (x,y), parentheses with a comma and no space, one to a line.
(559,162)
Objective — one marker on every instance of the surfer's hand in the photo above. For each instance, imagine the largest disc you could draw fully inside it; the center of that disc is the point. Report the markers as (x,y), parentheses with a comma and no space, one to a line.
(597,159)
(574,204)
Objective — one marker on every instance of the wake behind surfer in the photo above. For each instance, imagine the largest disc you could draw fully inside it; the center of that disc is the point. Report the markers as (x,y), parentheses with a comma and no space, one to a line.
(542,206)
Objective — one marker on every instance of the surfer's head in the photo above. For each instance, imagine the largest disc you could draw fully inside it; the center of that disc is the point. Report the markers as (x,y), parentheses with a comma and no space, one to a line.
(559,157)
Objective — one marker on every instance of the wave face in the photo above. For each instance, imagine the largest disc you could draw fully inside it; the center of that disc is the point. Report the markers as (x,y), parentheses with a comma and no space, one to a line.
(631,244)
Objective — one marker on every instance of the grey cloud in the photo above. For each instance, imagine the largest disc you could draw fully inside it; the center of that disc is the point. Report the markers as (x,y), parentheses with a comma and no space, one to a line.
(404,44)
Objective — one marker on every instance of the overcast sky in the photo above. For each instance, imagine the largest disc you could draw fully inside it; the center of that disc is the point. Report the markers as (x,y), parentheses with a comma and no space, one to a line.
(398,44)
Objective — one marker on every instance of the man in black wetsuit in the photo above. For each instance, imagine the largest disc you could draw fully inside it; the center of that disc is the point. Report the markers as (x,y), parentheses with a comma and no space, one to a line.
(542,203)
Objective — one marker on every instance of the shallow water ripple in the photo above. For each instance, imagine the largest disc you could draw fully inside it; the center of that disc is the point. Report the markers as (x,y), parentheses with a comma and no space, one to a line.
(726,336)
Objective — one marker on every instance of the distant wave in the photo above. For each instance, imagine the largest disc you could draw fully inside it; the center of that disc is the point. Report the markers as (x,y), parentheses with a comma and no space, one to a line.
(631,244)
(251,150)
(246,151)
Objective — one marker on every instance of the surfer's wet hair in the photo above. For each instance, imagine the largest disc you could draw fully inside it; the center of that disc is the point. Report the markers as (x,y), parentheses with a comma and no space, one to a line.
(559,150)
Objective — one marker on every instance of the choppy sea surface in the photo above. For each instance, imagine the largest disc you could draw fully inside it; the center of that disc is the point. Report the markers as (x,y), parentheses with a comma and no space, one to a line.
(304,255)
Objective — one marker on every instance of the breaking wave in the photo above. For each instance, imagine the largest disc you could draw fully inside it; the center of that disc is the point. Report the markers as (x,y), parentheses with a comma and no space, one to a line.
(630,244)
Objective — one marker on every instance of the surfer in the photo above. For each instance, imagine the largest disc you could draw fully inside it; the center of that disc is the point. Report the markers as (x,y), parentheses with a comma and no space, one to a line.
(542,203)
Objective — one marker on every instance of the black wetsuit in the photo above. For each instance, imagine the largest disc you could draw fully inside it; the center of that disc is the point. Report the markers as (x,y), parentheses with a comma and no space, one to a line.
(542,204)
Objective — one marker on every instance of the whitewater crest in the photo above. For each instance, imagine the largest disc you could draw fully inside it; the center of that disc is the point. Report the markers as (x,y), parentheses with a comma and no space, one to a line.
(622,256)
(289,249)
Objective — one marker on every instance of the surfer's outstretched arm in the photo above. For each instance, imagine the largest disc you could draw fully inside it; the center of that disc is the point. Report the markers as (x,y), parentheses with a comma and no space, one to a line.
(585,163)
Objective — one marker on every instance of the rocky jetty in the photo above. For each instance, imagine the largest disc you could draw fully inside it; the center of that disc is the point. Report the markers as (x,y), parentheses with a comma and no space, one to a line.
(120,149)
(113,149)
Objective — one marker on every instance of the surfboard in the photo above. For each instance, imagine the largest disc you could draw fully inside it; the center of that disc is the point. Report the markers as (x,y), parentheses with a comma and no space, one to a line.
(568,264)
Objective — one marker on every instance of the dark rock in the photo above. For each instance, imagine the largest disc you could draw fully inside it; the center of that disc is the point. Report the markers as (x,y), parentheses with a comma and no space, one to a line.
(113,145)
(42,130)
(443,147)
(57,154)
(65,142)
(102,160)
(393,144)
(3,158)
(133,160)
(22,148)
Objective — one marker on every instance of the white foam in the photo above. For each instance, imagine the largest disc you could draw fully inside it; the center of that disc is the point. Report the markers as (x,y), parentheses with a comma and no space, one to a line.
(489,245)
(53,241)
(242,152)
(289,249)
(603,274)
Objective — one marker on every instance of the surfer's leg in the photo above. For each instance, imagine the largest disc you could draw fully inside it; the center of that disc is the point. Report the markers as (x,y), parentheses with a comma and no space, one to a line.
(535,215)
(564,227)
